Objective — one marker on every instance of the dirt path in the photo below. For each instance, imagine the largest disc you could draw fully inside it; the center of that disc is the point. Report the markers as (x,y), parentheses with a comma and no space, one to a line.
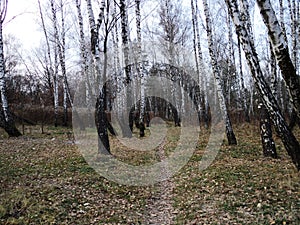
(159,208)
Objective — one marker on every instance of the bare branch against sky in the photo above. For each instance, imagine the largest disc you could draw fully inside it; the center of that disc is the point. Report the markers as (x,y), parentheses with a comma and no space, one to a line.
(21,22)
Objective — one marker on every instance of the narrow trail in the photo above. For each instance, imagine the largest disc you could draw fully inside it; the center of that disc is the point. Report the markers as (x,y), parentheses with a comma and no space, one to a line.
(159,208)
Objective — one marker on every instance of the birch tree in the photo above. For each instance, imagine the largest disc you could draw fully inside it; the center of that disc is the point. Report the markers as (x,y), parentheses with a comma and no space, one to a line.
(62,56)
(243,90)
(232,80)
(268,144)
(125,38)
(60,45)
(85,67)
(51,66)
(173,33)
(266,134)
(100,115)
(95,42)
(294,18)
(293,14)
(55,69)
(199,64)
(281,51)
(139,69)
(125,46)
(289,140)
(216,72)
(6,117)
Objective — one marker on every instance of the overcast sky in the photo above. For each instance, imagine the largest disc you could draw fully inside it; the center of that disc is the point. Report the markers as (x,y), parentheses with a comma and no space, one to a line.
(23,26)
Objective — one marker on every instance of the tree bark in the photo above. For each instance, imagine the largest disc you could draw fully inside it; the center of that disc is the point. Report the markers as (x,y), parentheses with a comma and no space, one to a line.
(139,68)
(281,51)
(100,115)
(289,140)
(199,66)
(83,67)
(6,118)
(62,56)
(293,15)
(61,45)
(56,52)
(268,144)
(102,123)
(95,39)
(216,71)
(51,72)
(125,43)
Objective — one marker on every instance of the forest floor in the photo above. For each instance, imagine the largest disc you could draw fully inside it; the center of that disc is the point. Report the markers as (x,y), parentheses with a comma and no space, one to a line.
(44,179)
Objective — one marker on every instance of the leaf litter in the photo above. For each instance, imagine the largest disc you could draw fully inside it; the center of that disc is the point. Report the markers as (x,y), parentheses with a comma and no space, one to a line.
(45,180)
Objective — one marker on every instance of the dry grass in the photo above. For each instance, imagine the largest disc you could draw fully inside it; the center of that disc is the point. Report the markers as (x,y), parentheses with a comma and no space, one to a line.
(45,180)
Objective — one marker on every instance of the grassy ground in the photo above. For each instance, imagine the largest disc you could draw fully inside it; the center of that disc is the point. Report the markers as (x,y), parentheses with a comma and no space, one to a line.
(45,180)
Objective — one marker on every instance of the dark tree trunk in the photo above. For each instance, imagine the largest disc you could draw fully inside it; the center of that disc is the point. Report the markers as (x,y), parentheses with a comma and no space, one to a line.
(175,114)
(268,144)
(9,125)
(230,134)
(142,129)
(294,120)
(131,120)
(110,128)
(102,123)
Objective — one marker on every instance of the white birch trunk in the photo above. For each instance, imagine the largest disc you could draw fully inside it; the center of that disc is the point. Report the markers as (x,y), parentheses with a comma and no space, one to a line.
(273,71)
(195,39)
(118,102)
(139,69)
(268,144)
(293,16)
(56,55)
(203,103)
(280,49)
(202,74)
(83,54)
(128,79)
(55,86)
(216,71)
(61,46)
(290,142)
(95,38)
(84,64)
(282,23)
(101,103)
(6,119)
(2,79)
(49,66)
